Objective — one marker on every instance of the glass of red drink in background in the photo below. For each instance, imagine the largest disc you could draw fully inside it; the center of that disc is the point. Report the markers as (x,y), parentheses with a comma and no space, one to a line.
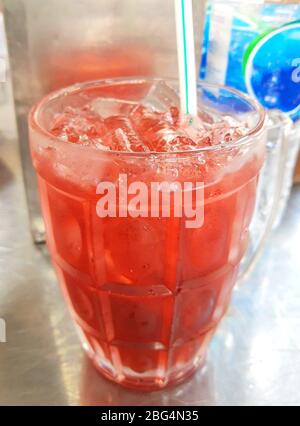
(145,293)
(62,68)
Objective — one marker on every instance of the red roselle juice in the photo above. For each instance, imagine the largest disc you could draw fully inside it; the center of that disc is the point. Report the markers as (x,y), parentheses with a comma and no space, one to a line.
(62,68)
(146,292)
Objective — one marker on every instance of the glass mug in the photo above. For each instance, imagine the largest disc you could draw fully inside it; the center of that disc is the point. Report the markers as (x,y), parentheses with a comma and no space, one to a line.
(274,186)
(146,293)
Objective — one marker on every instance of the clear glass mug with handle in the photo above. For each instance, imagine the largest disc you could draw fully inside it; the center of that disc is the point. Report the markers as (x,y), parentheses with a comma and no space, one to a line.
(146,292)
(275,181)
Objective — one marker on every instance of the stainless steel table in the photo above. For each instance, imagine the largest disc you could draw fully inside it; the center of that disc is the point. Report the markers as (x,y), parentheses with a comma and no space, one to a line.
(254,357)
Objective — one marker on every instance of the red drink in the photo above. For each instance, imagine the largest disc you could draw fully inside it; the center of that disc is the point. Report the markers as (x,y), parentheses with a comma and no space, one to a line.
(146,293)
(62,68)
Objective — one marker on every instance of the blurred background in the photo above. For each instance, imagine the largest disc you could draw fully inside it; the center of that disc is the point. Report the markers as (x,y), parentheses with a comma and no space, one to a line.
(252,46)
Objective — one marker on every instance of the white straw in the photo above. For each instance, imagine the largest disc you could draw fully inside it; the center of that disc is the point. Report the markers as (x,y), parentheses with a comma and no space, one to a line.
(186,56)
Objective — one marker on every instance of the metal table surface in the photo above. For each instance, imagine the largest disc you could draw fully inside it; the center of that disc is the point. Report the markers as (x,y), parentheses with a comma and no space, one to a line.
(253,359)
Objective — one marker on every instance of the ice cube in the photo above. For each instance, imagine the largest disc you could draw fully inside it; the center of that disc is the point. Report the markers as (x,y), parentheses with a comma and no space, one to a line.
(183,143)
(131,141)
(227,130)
(164,138)
(109,107)
(77,125)
(127,135)
(161,97)
(98,144)
(237,128)
(122,136)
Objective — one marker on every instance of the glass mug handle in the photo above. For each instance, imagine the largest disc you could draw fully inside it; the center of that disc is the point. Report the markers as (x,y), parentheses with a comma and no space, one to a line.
(270,188)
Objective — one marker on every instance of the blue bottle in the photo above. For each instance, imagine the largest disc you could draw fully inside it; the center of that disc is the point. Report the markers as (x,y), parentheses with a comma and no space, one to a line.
(255,48)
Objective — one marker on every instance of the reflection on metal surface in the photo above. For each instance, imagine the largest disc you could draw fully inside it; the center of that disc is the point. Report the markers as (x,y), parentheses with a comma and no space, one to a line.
(95,390)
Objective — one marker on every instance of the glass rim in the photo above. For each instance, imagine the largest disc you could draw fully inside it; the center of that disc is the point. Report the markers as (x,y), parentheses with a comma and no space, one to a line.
(35,124)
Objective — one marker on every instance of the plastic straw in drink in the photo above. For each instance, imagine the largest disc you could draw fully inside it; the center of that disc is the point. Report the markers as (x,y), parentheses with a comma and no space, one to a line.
(186,56)
(188,101)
